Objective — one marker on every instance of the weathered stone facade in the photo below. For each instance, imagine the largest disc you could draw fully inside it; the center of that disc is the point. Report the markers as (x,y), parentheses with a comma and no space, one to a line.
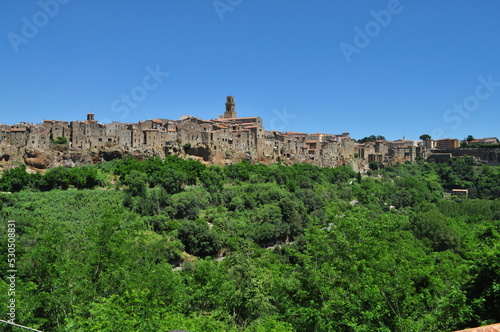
(220,141)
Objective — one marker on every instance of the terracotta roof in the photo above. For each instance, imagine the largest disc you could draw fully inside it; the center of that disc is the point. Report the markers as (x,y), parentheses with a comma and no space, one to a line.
(247,118)
(312,142)
(489,328)
(157,121)
(294,133)
(490,139)
(18,130)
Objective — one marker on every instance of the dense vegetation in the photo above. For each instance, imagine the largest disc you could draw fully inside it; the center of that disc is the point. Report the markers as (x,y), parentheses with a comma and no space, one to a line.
(371,138)
(305,248)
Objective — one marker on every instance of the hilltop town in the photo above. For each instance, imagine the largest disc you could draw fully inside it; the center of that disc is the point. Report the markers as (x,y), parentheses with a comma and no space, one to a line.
(221,141)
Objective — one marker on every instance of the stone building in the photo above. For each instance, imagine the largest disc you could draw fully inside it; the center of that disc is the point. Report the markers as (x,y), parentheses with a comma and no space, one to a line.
(228,138)
(230,108)
(447,143)
(39,137)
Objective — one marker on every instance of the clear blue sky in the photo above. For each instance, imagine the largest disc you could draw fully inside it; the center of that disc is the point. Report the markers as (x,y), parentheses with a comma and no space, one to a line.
(281,59)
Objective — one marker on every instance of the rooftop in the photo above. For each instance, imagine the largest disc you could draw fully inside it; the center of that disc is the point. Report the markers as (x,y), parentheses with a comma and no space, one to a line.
(489,328)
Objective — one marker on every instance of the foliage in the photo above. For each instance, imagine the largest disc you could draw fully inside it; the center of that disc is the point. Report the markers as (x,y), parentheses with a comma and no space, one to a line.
(374,165)
(85,177)
(260,248)
(425,137)
(61,140)
(372,138)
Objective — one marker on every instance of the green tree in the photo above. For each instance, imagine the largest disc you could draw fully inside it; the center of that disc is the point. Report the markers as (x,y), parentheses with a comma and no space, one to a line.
(136,183)
(198,239)
(169,179)
(433,227)
(374,165)
(212,180)
(57,178)
(61,141)
(15,179)
(425,137)
(372,138)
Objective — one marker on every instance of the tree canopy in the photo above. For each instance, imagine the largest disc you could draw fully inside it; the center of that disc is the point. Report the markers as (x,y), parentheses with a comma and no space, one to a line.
(371,138)
(159,245)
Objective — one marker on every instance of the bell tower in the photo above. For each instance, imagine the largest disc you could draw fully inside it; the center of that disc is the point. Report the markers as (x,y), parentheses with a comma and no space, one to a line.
(230,112)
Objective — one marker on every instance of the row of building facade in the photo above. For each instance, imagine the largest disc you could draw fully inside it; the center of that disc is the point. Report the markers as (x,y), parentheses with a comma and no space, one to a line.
(225,135)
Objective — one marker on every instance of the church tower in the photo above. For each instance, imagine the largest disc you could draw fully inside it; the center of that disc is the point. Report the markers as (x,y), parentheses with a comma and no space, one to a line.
(230,112)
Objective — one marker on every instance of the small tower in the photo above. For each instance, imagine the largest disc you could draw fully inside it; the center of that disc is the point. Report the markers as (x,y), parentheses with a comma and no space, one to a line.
(230,112)
(90,117)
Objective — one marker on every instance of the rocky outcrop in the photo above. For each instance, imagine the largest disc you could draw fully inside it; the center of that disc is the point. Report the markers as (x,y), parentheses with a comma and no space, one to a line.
(64,156)
(36,159)
(200,150)
(7,153)
(110,154)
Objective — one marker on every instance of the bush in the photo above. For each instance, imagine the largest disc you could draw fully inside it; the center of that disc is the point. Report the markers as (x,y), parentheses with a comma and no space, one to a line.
(61,140)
